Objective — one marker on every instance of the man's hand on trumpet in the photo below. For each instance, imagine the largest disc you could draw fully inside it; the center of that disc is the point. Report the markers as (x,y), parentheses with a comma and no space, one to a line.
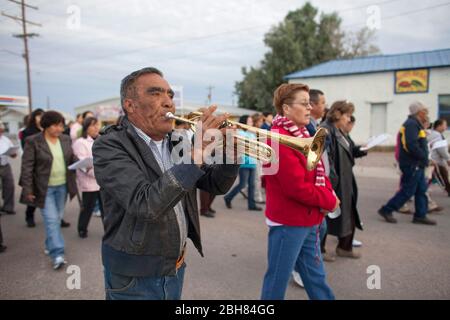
(211,122)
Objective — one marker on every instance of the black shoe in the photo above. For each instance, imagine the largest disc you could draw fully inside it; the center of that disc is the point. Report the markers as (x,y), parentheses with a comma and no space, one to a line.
(387,216)
(424,220)
(31,224)
(260,202)
(228,203)
(255,209)
(208,214)
(64,224)
(212,210)
(83,234)
(2,248)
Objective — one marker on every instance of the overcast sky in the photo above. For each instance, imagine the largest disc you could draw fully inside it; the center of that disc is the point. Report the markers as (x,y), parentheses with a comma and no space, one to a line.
(196,43)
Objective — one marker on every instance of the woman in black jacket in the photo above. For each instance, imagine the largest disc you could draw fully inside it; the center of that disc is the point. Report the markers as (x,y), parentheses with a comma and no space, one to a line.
(341,153)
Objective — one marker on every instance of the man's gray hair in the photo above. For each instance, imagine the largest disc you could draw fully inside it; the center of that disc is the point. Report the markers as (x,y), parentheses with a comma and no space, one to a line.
(415,107)
(127,83)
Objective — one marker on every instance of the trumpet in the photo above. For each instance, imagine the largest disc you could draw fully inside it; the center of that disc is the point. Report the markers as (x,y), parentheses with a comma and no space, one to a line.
(312,148)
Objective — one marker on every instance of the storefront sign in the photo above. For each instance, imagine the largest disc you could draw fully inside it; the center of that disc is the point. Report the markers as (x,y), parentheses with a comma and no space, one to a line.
(411,81)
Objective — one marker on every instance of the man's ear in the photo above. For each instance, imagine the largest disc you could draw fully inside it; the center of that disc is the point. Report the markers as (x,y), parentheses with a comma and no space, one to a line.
(129,106)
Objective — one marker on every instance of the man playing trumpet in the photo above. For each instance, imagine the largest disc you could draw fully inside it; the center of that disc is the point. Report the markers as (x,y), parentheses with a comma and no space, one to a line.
(150,206)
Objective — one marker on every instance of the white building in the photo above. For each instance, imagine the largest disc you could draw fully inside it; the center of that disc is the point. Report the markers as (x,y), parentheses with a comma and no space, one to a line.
(382,88)
(13,109)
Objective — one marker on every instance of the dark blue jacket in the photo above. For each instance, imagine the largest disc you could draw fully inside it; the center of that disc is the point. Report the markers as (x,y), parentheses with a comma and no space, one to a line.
(414,146)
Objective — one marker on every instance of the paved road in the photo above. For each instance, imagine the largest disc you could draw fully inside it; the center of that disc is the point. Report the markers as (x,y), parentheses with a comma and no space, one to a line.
(414,260)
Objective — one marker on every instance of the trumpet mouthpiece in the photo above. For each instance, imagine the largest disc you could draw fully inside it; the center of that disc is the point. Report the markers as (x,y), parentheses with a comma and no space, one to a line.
(169,115)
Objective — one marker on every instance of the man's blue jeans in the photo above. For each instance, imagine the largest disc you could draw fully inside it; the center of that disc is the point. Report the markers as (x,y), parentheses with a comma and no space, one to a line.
(295,248)
(120,287)
(412,183)
(245,175)
(52,214)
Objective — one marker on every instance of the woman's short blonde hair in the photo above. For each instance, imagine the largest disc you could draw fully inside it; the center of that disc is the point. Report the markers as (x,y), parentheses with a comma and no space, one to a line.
(338,109)
(285,93)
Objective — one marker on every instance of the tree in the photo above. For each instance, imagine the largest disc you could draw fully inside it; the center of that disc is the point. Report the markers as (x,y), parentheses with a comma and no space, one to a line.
(297,43)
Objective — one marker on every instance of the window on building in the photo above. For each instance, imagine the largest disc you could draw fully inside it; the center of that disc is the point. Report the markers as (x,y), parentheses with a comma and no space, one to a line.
(444,107)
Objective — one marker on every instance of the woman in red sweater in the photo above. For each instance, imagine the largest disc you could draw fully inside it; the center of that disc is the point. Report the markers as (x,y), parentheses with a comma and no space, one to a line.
(296,203)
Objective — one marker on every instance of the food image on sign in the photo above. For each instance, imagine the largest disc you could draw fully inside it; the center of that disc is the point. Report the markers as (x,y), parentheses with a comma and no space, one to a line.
(411,81)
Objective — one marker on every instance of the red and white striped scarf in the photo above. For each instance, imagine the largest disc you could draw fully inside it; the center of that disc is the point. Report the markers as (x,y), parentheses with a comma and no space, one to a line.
(302,132)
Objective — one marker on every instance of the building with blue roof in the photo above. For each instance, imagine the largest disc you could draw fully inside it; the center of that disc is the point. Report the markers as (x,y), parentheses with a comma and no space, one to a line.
(382,87)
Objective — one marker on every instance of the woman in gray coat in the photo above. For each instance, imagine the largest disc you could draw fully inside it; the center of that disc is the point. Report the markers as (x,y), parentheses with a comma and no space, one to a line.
(341,153)
(46,181)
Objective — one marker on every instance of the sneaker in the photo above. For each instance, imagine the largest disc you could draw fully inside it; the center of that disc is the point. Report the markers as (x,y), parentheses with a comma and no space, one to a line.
(435,209)
(228,203)
(64,224)
(356,243)
(328,257)
(347,254)
(2,248)
(387,216)
(59,262)
(297,278)
(424,220)
(405,209)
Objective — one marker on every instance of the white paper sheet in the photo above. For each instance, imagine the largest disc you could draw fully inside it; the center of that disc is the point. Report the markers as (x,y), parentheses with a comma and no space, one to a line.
(11,151)
(83,164)
(374,141)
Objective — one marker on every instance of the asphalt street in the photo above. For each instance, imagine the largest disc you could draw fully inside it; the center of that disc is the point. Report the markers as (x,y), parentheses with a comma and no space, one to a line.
(413,260)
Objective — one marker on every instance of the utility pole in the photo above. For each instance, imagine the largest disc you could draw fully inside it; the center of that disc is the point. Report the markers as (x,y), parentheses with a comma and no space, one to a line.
(209,94)
(25,36)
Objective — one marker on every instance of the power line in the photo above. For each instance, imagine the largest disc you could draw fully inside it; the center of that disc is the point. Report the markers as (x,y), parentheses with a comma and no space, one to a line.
(24,35)
(199,38)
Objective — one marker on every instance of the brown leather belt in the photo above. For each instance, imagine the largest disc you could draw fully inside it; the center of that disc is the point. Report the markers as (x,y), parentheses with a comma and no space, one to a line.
(181,258)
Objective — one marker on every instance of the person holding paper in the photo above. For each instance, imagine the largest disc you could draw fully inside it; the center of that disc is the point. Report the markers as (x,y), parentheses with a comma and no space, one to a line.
(341,159)
(6,174)
(439,151)
(87,184)
(46,181)
(77,127)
